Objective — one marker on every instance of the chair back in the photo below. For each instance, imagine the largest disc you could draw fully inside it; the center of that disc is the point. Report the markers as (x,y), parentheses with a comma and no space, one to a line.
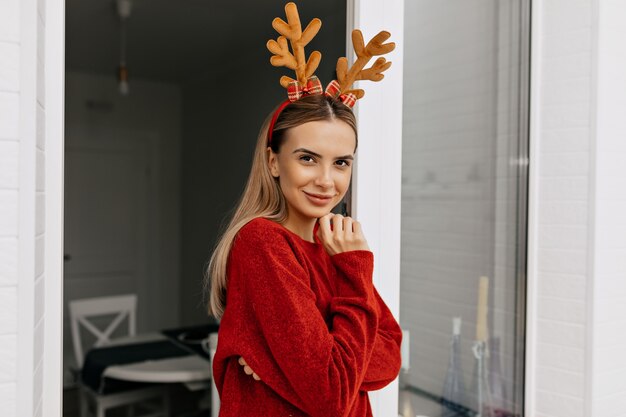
(215,399)
(82,310)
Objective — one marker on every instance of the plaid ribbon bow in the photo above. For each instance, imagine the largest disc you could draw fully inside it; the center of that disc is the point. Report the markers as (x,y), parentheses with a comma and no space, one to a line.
(295,91)
(313,86)
(333,90)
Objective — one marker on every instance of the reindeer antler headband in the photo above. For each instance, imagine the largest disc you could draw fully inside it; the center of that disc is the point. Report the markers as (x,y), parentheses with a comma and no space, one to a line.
(306,83)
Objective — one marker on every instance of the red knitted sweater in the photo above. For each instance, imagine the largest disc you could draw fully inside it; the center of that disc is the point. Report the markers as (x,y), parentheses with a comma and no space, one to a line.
(312,326)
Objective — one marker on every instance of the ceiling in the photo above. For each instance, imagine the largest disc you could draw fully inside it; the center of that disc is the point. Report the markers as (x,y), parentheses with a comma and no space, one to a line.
(170,40)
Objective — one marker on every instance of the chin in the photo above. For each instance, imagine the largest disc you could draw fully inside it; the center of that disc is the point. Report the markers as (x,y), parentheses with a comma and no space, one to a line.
(313,211)
(316,212)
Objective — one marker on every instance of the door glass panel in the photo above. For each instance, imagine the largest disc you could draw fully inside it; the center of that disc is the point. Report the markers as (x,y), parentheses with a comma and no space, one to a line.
(464,207)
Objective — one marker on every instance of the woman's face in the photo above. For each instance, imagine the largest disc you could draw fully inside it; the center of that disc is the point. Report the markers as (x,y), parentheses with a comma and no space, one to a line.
(314,167)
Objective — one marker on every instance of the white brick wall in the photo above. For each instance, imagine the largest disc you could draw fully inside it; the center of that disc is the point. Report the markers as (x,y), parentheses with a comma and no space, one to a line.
(22,187)
(563,200)
(608,348)
(578,295)
(9,197)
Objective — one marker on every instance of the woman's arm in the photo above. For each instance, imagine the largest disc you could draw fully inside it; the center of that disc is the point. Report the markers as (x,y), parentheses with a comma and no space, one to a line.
(288,343)
(385,362)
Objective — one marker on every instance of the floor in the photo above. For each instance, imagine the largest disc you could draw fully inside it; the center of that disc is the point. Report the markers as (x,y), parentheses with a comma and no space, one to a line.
(411,405)
(183,402)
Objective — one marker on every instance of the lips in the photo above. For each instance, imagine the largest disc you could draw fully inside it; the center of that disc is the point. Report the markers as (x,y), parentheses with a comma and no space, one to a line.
(319,199)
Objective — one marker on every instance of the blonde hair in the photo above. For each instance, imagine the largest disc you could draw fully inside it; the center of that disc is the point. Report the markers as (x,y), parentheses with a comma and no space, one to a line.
(262,196)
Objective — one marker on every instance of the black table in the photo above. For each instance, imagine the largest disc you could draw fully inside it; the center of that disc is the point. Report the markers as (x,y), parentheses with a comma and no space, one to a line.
(131,362)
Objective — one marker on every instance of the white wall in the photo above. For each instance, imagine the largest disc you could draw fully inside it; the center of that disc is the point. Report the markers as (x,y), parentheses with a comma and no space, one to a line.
(561,145)
(93,104)
(576,271)
(9,198)
(22,211)
(608,348)
(563,108)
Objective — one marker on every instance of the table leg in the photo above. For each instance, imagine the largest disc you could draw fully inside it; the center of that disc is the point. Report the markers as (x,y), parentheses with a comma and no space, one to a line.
(166,403)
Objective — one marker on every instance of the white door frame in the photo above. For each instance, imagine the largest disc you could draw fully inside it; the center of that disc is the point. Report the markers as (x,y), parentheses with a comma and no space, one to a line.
(53,264)
(377,180)
(377,177)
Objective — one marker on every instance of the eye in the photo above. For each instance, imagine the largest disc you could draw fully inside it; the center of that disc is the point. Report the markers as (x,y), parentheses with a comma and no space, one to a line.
(306,158)
(342,162)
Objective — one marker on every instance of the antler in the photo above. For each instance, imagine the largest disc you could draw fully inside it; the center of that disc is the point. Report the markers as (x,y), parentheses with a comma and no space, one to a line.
(292,31)
(364,54)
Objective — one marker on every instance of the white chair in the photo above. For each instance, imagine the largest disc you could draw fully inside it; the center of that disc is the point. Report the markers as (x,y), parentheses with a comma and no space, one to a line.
(215,399)
(125,307)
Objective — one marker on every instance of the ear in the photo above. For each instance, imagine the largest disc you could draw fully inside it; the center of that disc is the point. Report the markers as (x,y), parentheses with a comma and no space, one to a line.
(273,163)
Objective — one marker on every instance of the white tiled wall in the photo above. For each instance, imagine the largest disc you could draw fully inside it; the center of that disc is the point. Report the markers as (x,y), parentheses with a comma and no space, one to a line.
(9,196)
(563,208)
(608,381)
(579,339)
(22,188)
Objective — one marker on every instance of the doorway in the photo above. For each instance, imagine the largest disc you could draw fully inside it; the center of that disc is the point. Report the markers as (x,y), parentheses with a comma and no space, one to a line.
(152,174)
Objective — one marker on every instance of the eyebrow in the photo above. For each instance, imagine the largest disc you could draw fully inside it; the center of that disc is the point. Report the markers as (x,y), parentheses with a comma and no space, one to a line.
(320,156)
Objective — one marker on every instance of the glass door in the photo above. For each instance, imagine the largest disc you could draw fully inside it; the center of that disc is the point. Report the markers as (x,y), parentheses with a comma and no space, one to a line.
(464,205)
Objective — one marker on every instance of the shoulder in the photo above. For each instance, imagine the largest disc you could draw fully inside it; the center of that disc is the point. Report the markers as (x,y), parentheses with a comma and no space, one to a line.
(261,232)
(262,242)
(261,224)
(262,228)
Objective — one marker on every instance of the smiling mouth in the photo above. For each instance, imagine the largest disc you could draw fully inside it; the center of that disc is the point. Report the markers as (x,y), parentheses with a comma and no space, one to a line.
(318,198)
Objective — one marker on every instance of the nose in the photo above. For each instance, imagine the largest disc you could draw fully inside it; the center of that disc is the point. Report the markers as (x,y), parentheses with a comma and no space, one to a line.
(324,178)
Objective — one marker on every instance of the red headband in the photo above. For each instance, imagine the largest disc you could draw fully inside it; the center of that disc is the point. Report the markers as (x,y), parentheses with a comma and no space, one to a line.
(313,87)
(273,122)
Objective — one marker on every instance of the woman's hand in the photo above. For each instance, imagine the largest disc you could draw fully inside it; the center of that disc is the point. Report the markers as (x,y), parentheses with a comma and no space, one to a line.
(341,234)
(247,369)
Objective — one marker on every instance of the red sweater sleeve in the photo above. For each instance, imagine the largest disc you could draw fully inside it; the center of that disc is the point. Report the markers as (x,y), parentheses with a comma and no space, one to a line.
(385,363)
(318,370)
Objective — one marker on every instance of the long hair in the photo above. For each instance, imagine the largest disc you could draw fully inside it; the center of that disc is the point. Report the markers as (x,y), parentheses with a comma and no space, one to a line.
(262,196)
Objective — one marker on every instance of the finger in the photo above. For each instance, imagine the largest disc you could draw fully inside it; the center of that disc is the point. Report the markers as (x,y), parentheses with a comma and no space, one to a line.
(324,222)
(324,229)
(248,370)
(255,376)
(338,223)
(242,361)
(347,225)
(356,226)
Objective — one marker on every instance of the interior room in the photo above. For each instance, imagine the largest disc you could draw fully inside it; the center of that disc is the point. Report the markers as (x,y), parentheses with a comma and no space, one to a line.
(155,160)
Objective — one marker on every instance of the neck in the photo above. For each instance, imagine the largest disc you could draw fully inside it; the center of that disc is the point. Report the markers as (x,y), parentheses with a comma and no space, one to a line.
(303,227)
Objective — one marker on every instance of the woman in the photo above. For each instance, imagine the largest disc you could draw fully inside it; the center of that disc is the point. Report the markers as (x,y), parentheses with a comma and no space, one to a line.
(292,282)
